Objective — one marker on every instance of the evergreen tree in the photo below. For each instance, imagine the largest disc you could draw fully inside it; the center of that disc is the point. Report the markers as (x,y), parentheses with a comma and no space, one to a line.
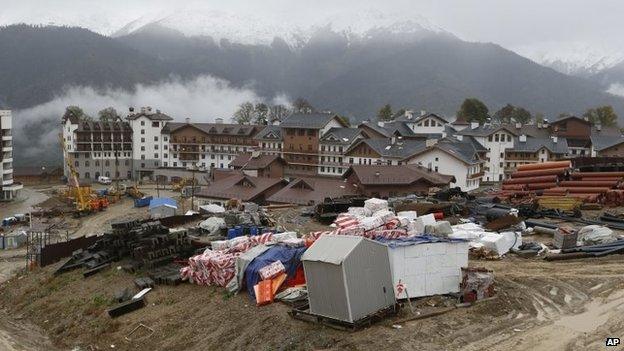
(385,113)
(473,110)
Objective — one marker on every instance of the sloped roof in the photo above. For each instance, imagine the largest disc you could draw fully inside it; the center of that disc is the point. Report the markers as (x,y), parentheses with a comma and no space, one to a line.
(374,126)
(397,175)
(304,191)
(154,116)
(488,129)
(342,135)
(564,118)
(333,249)
(535,144)
(602,142)
(466,150)
(416,119)
(307,120)
(239,186)
(214,128)
(246,161)
(89,126)
(400,149)
(270,129)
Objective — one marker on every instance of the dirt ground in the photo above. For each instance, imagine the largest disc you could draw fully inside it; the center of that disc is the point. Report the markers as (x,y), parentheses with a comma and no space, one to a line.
(541,305)
(567,305)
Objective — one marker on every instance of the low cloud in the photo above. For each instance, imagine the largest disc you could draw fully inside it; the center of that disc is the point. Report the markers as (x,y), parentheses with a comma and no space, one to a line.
(202,99)
(616,89)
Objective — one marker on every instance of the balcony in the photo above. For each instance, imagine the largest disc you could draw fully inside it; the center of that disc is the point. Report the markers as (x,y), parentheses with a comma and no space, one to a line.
(7,170)
(187,157)
(521,158)
(7,137)
(476,175)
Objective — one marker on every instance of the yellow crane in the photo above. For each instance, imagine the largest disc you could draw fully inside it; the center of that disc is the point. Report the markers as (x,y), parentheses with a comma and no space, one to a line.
(83,204)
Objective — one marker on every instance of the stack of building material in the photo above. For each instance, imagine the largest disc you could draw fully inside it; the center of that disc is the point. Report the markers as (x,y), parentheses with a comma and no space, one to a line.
(530,178)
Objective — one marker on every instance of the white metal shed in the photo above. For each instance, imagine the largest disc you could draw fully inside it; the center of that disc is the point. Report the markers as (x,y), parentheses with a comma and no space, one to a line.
(348,277)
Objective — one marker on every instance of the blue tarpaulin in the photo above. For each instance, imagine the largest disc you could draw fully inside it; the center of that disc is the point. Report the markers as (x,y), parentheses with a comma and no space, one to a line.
(163,201)
(415,240)
(289,256)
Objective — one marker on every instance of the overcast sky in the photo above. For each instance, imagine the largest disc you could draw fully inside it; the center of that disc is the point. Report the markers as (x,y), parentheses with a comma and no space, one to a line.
(511,23)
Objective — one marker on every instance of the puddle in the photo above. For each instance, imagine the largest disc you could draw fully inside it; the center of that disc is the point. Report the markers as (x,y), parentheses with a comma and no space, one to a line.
(597,312)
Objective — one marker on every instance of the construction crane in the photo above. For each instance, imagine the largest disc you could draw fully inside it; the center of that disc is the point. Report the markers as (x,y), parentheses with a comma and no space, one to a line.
(83,205)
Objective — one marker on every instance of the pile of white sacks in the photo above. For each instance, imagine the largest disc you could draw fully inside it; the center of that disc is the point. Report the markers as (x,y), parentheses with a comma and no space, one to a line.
(376,219)
(498,243)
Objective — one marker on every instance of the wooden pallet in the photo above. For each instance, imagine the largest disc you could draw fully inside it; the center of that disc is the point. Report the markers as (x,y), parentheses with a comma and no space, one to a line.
(303,313)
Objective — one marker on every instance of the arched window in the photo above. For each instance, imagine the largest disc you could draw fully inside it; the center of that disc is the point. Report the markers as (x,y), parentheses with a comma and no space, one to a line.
(107,173)
(97,163)
(87,175)
(97,175)
(77,164)
(86,165)
(106,163)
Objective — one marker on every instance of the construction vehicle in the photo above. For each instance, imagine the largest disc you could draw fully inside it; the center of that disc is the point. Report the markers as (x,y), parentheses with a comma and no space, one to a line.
(134,192)
(184,182)
(82,196)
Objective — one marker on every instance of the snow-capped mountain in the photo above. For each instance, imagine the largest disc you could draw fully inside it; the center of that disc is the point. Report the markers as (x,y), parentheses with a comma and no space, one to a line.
(246,29)
(573,58)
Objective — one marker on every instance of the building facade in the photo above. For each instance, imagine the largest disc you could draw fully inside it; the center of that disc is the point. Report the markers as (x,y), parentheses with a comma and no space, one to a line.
(9,189)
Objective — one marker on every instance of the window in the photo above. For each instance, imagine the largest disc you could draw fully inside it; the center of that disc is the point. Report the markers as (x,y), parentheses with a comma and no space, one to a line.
(508,138)
(97,163)
(127,162)
(142,140)
(155,147)
(106,163)
(502,155)
(301,132)
(496,137)
(142,157)
(154,124)
(490,138)
(165,147)
(155,138)
(436,168)
(142,165)
(87,165)
(165,155)
(142,123)
(175,164)
(142,148)
(77,164)
(165,138)
(142,131)
(87,175)
(351,160)
(155,155)
(437,159)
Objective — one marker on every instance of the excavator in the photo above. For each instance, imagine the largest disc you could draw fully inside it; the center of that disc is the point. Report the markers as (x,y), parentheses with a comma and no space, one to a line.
(85,202)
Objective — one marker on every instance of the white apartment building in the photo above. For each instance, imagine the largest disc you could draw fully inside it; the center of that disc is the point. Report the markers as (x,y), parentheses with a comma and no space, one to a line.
(150,147)
(8,189)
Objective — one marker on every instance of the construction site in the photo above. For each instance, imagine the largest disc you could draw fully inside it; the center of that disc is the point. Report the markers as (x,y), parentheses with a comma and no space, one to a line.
(532,263)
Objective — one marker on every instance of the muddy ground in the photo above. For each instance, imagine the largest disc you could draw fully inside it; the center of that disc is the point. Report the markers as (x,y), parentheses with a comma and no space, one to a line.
(568,305)
(541,305)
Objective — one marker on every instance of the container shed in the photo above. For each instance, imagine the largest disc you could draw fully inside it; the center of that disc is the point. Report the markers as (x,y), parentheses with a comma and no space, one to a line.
(427,265)
(162,207)
(348,277)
